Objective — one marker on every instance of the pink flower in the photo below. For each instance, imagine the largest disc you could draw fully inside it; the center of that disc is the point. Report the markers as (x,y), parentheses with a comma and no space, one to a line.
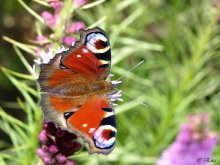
(78,3)
(57,5)
(41,40)
(69,41)
(75,27)
(50,20)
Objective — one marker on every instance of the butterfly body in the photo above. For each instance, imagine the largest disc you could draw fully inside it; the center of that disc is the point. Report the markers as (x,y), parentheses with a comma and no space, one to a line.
(75,93)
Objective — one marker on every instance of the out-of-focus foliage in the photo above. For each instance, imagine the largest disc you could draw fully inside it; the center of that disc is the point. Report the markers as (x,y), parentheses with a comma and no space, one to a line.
(179,41)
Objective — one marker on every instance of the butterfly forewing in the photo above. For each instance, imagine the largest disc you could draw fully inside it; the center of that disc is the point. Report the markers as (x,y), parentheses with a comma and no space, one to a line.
(91,57)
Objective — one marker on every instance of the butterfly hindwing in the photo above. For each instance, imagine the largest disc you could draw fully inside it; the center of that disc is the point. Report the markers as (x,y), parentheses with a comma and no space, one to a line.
(95,123)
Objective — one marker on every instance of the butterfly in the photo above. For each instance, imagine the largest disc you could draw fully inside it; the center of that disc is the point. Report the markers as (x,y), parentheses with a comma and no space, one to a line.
(75,93)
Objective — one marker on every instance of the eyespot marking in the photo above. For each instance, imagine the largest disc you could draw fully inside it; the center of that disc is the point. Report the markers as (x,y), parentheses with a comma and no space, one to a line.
(105,137)
(97,43)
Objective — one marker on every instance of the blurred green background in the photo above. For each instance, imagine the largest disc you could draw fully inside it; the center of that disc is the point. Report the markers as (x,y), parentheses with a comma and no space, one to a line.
(15,23)
(179,41)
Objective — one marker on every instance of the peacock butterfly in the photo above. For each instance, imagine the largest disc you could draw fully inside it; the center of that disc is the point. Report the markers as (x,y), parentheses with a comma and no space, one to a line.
(75,94)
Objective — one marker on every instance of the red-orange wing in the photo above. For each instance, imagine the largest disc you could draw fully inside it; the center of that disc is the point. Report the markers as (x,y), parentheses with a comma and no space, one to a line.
(95,123)
(90,56)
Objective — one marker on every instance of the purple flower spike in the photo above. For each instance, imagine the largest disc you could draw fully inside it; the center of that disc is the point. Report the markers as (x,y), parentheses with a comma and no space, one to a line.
(57,145)
(193,145)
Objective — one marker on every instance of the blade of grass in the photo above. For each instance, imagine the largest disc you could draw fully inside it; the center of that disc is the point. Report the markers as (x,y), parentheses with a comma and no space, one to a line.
(140,44)
(130,105)
(124,4)
(24,61)
(14,137)
(32,12)
(18,85)
(28,48)
(12,120)
(20,75)
(42,2)
(98,23)
(93,4)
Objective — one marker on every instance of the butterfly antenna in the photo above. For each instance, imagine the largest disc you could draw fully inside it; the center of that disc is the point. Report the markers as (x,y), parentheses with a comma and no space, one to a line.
(132,98)
(130,70)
